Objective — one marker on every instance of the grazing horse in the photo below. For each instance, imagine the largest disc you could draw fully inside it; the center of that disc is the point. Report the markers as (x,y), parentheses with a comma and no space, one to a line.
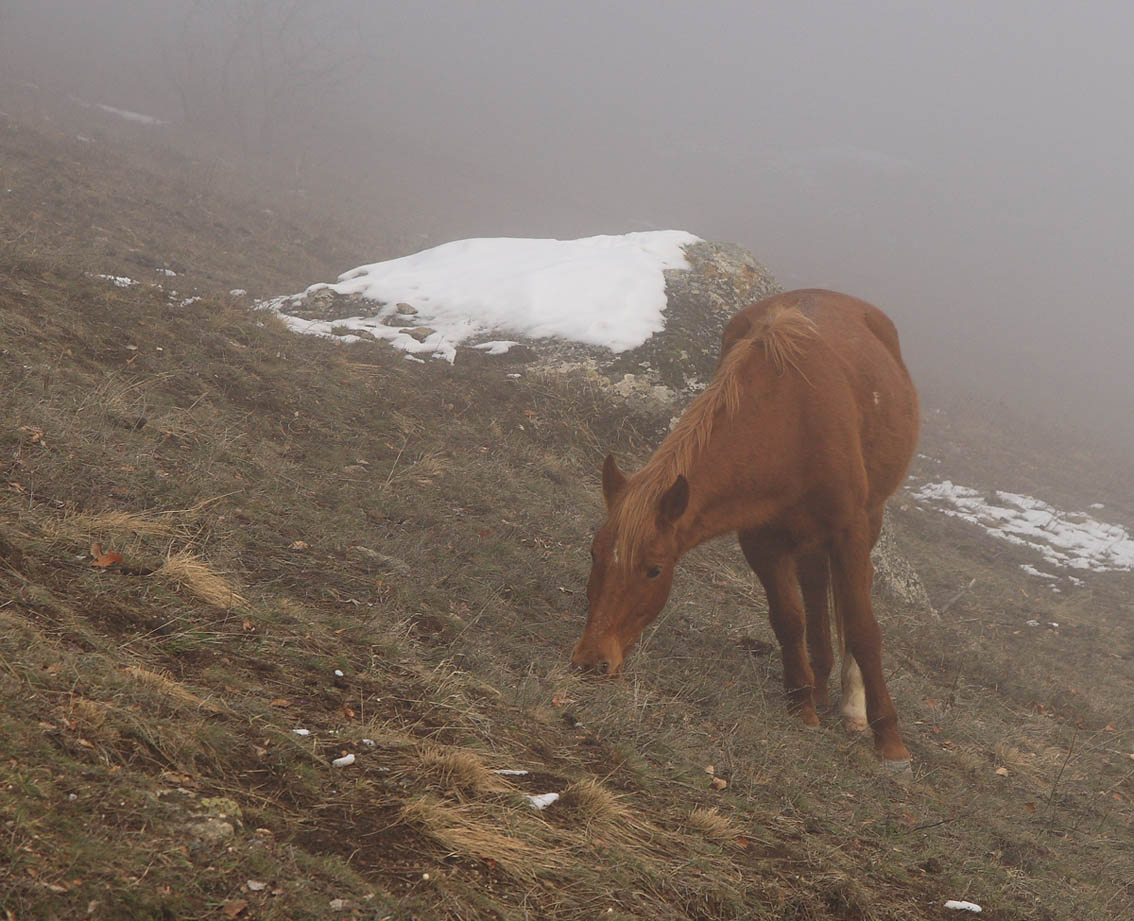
(806,428)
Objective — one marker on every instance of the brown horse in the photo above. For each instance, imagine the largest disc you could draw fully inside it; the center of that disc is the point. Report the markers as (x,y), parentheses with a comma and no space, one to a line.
(807,427)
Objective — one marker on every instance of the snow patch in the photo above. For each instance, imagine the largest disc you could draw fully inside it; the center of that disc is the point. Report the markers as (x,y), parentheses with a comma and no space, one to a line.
(1072,540)
(120,281)
(131,116)
(605,291)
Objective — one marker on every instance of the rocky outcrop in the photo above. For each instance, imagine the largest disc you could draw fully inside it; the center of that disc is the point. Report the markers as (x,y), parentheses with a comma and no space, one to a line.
(677,362)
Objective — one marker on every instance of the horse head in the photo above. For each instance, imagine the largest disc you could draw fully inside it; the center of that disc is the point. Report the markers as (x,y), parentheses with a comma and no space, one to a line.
(632,561)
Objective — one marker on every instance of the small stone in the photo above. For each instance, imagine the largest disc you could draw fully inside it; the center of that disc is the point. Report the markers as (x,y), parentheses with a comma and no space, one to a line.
(212,830)
(406,310)
(420,333)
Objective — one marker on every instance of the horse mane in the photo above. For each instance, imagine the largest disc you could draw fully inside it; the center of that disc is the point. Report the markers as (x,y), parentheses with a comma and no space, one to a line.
(780,337)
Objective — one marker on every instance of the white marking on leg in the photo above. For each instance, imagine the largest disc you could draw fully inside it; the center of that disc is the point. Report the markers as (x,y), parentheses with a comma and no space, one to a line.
(854,693)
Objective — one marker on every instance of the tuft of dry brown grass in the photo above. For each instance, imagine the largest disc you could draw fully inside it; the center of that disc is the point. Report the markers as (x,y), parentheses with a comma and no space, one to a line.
(478,832)
(714,826)
(459,771)
(171,688)
(186,569)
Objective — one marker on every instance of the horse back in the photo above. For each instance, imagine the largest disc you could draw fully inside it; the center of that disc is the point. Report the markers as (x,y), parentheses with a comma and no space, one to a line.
(852,387)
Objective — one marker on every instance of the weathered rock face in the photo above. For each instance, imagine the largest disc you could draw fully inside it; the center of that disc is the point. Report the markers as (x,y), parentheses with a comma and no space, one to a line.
(894,576)
(676,363)
(722,279)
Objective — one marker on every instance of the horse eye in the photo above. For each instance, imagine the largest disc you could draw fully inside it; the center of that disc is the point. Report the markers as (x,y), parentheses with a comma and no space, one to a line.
(653,572)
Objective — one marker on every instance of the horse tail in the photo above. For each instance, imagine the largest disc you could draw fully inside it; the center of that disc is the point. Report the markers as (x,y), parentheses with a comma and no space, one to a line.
(835,610)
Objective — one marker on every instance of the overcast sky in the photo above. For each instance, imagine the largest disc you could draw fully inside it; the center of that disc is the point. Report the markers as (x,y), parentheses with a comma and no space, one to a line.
(969,166)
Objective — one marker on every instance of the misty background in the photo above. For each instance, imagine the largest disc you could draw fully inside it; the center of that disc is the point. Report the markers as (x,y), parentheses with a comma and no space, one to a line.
(967,166)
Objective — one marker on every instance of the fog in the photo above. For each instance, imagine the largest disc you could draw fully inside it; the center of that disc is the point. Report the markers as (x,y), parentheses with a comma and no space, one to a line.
(967,166)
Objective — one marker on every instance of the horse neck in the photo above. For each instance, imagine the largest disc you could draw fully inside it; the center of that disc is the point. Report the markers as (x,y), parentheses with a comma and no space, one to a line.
(741,478)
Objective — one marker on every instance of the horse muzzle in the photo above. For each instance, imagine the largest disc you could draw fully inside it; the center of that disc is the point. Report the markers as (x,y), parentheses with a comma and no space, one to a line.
(603,658)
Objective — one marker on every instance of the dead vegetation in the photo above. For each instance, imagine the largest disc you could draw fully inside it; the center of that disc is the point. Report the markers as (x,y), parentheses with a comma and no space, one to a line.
(390,558)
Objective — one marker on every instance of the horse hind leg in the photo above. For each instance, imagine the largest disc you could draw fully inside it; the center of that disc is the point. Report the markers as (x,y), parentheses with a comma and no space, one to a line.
(853,704)
(851,577)
(815,584)
(853,701)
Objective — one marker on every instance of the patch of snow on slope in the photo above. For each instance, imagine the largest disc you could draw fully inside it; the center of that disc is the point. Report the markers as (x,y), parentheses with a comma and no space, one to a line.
(1065,539)
(605,291)
(130,116)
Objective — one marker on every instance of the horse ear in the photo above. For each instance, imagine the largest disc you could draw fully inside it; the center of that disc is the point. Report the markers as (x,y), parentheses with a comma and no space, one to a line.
(612,480)
(671,505)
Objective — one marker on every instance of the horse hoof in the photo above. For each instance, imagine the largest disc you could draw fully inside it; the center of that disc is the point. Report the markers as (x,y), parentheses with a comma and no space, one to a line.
(854,724)
(901,766)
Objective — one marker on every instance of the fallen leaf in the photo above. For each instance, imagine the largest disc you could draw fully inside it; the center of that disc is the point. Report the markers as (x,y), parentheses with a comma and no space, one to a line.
(299,545)
(718,783)
(256,886)
(1031,807)
(102,559)
(281,702)
(709,769)
(1002,771)
(234,908)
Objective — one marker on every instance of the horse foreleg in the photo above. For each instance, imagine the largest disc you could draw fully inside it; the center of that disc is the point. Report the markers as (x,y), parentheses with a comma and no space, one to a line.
(777,573)
(851,576)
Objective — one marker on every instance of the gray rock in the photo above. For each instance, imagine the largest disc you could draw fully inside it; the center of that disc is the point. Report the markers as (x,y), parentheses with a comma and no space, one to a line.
(212,830)
(895,579)
(678,361)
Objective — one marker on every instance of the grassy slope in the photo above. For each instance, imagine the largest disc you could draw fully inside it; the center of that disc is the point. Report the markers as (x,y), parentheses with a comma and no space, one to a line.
(147,763)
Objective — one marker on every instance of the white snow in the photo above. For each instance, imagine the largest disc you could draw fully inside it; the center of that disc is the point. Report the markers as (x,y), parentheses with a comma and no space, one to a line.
(120,281)
(510,772)
(958,905)
(542,800)
(130,116)
(496,346)
(605,291)
(345,761)
(1064,539)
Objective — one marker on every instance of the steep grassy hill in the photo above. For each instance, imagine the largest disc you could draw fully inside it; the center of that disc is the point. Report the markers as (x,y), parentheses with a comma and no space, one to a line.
(391,557)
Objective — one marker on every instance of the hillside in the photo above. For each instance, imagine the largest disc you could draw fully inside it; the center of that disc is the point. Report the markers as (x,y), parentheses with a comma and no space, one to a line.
(390,558)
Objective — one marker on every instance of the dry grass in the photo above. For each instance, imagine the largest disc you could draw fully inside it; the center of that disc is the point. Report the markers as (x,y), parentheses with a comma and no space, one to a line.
(714,826)
(459,772)
(171,688)
(148,700)
(185,569)
(482,834)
